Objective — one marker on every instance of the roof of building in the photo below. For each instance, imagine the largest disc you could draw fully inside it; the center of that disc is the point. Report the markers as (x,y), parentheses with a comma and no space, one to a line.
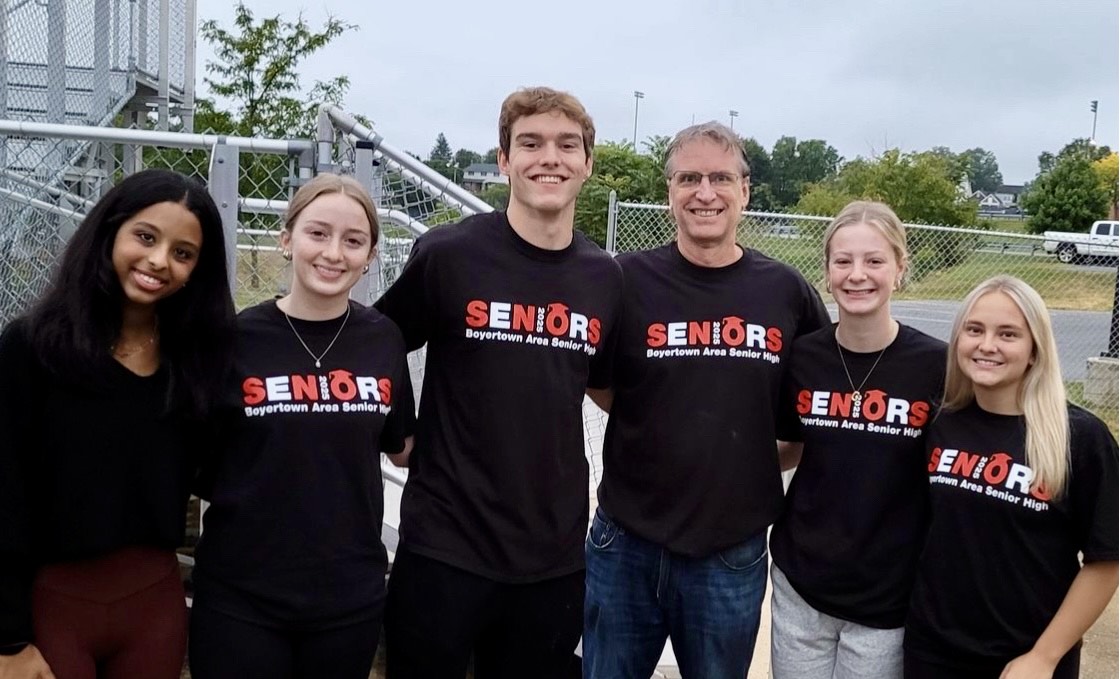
(482,168)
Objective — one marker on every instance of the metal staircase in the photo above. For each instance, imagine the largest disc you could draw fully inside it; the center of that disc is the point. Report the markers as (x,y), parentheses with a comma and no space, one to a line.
(86,62)
(81,62)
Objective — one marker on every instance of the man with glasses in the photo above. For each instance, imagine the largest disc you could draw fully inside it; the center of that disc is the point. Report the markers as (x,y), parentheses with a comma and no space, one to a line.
(691,481)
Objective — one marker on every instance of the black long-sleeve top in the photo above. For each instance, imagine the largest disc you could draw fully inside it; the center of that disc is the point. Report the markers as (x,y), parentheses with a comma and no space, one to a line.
(86,467)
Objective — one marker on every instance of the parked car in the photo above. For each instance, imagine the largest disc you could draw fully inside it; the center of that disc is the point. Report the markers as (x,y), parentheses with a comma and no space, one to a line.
(784,230)
(1103,240)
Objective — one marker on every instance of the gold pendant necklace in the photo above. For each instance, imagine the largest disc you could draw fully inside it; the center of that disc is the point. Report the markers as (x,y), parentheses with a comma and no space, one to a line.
(857,392)
(318,359)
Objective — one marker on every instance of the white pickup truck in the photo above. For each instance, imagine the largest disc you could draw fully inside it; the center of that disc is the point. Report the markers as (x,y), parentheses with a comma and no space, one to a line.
(1103,240)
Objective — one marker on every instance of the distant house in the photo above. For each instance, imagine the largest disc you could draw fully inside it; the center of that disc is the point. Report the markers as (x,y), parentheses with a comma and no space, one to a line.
(1002,201)
(478,176)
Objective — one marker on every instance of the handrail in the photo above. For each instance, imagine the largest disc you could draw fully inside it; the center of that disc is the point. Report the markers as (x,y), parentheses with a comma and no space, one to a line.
(421,174)
(41,205)
(182,140)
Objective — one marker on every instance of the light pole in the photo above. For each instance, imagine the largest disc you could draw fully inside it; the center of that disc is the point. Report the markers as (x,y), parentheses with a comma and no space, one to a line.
(637,95)
(1093,108)
(734,114)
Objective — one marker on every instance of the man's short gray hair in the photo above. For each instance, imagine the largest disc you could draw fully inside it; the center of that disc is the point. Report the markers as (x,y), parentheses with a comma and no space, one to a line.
(713,131)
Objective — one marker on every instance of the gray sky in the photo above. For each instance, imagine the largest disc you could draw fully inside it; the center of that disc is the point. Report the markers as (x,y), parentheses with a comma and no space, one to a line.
(1013,77)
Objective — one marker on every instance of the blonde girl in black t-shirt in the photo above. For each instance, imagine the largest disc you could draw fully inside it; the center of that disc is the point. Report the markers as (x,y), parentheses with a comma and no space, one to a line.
(1021,484)
(290,575)
(857,399)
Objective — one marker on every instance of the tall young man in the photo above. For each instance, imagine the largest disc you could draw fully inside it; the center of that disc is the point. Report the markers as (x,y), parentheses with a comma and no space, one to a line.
(515,308)
(691,479)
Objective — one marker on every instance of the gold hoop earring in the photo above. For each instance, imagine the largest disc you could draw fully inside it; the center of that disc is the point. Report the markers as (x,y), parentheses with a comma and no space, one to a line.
(365,269)
(286,254)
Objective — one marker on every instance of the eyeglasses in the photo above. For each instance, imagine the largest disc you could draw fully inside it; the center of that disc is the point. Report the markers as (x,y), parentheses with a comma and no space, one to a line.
(688,179)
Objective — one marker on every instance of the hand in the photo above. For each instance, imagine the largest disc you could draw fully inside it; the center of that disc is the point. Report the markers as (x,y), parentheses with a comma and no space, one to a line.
(1030,665)
(27,664)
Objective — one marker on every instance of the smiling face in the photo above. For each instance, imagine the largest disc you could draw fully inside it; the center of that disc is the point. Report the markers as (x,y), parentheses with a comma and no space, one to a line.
(994,348)
(546,164)
(863,270)
(155,251)
(331,244)
(707,214)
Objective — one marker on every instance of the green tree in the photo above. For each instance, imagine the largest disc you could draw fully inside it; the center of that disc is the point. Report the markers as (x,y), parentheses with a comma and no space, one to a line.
(255,70)
(920,187)
(982,169)
(762,198)
(1080,148)
(618,167)
(795,165)
(657,148)
(255,91)
(465,158)
(1069,197)
(759,160)
(496,195)
(1108,172)
(441,152)
(491,156)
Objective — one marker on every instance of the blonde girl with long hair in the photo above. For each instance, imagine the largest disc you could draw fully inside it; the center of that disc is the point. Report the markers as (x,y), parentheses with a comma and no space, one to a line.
(1021,483)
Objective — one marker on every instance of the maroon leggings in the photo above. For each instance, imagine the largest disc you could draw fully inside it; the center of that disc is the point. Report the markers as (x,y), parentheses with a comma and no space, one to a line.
(118,616)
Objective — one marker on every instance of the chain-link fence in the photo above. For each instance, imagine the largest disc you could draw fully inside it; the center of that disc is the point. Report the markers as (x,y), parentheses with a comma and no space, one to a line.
(81,61)
(48,183)
(946,263)
(50,176)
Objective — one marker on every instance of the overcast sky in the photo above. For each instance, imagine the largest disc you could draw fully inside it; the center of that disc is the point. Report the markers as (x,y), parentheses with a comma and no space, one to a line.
(1011,76)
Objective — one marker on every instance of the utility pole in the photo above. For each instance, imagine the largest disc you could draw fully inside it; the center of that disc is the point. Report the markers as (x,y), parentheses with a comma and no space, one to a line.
(734,114)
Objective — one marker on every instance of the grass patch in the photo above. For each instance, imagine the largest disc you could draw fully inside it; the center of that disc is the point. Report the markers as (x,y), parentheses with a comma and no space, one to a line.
(1075,392)
(1062,286)
(260,276)
(1006,225)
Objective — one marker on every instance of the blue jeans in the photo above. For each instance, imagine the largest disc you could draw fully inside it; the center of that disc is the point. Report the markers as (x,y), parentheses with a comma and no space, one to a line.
(639,594)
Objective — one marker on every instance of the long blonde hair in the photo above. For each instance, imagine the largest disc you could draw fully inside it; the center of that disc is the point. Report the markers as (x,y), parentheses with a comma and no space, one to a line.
(1042,393)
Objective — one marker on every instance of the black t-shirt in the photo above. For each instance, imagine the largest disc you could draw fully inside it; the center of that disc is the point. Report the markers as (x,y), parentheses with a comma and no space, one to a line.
(689,456)
(498,479)
(856,512)
(1000,558)
(293,532)
(86,468)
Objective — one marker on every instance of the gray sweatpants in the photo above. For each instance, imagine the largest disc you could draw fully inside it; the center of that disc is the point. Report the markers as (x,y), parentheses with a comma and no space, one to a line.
(808,644)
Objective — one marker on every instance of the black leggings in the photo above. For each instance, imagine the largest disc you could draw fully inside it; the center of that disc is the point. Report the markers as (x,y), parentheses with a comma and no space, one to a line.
(222,647)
